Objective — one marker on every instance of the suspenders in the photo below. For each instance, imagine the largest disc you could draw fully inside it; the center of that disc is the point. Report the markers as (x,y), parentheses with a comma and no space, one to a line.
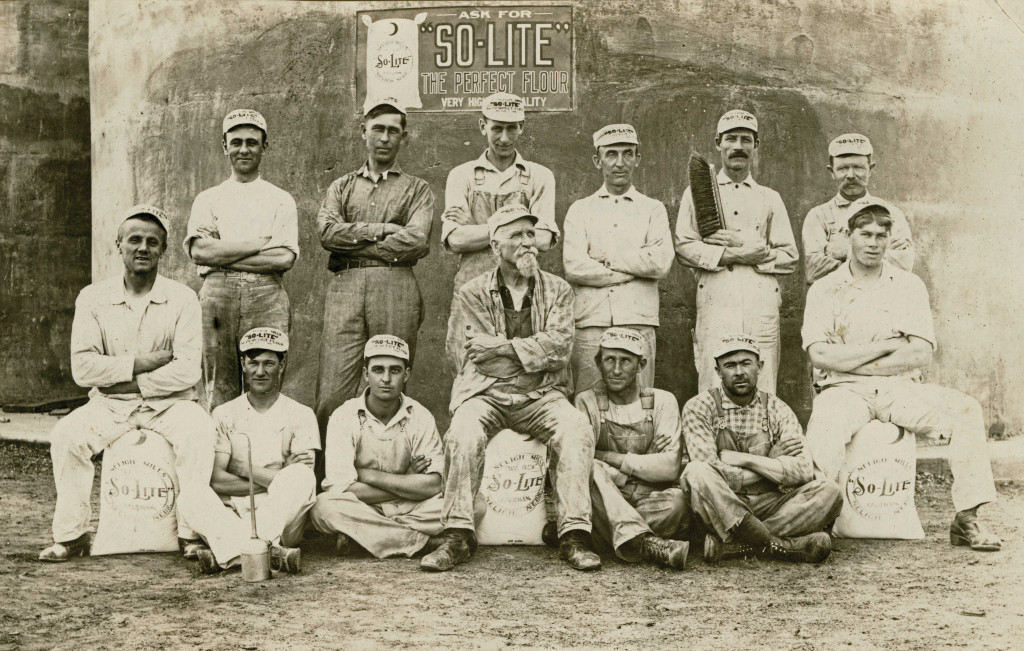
(646,403)
(719,422)
(524,176)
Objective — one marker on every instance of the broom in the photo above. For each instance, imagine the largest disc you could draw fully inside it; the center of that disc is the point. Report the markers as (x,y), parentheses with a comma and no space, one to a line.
(707,203)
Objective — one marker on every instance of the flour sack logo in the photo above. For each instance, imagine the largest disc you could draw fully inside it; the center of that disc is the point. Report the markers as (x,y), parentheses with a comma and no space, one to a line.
(139,488)
(392,60)
(515,486)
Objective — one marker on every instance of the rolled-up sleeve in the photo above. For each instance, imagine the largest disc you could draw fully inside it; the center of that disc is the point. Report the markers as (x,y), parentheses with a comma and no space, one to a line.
(339,453)
(90,365)
(185,368)
(691,251)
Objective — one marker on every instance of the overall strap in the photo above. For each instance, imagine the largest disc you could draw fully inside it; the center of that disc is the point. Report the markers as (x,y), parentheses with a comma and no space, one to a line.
(647,403)
(478,175)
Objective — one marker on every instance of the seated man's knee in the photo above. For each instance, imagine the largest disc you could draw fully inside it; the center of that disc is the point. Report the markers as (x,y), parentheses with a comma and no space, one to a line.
(698,474)
(299,475)
(467,426)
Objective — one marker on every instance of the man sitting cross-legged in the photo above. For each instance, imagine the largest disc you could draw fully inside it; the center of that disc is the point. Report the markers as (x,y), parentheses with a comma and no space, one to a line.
(750,478)
(383,462)
(282,435)
(634,490)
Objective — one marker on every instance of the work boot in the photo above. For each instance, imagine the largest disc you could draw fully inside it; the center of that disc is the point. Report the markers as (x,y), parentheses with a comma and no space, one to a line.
(966,531)
(812,548)
(62,552)
(342,544)
(285,559)
(716,550)
(207,562)
(190,546)
(666,553)
(433,542)
(574,547)
(549,534)
(458,547)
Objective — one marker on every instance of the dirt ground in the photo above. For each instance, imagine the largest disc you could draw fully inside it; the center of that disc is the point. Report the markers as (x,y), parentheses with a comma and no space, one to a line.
(869,594)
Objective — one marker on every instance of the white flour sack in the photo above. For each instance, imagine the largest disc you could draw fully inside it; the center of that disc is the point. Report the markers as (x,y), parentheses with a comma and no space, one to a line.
(510,505)
(878,485)
(138,494)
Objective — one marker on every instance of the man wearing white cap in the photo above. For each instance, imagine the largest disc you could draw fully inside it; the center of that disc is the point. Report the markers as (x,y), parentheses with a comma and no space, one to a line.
(868,331)
(499,177)
(737,267)
(826,237)
(750,478)
(384,462)
(137,341)
(282,437)
(243,235)
(375,222)
(510,334)
(635,486)
(617,247)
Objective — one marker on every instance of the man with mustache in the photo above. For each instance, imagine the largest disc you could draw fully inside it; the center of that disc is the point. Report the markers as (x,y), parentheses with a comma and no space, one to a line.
(868,331)
(737,267)
(137,340)
(750,477)
(511,332)
(243,235)
(375,222)
(617,247)
(826,236)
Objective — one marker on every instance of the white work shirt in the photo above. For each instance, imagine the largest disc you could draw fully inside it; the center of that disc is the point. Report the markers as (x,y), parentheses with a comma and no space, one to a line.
(842,310)
(358,439)
(244,211)
(616,249)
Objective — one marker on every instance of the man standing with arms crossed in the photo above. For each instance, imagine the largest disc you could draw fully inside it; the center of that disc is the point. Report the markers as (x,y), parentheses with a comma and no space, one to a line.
(737,267)
(617,247)
(137,341)
(826,237)
(243,234)
(501,176)
(375,221)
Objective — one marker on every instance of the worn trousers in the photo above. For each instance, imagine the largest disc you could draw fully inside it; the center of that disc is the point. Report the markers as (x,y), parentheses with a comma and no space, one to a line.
(924,409)
(360,304)
(88,430)
(550,419)
(395,528)
(803,510)
(619,518)
(233,303)
(280,514)
(585,344)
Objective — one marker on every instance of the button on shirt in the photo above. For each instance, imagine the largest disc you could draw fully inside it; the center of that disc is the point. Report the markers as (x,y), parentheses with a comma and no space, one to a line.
(353,213)
(107,334)
(844,310)
(616,249)
(235,211)
(700,420)
(536,181)
(358,439)
(824,221)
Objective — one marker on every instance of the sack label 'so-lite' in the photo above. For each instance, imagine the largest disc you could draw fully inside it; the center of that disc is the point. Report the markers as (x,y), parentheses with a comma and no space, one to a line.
(880,488)
(516,485)
(139,488)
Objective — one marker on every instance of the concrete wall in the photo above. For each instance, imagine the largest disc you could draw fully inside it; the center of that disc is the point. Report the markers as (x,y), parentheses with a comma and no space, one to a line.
(44,194)
(930,84)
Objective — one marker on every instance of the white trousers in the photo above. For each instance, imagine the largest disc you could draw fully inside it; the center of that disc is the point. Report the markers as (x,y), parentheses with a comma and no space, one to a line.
(395,528)
(280,514)
(88,430)
(924,409)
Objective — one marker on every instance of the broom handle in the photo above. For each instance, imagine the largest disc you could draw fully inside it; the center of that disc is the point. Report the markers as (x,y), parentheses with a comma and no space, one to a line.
(252,491)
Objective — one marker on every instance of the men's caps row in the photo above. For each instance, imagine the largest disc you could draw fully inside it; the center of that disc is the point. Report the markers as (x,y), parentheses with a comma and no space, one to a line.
(270,339)
(388,345)
(626,339)
(503,107)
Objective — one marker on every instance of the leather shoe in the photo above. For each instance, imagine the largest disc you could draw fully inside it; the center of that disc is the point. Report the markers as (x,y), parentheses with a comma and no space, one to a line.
(190,547)
(966,532)
(207,562)
(342,544)
(716,550)
(666,553)
(285,559)
(812,548)
(574,548)
(62,552)
(549,534)
(457,548)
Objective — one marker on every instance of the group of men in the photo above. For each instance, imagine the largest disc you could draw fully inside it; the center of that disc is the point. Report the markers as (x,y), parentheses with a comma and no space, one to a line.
(627,467)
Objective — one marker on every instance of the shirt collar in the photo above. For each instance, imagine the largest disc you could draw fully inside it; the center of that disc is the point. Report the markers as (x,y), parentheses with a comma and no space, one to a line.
(845,274)
(723,179)
(727,403)
(364,171)
(483,161)
(843,202)
(404,411)
(158,293)
(632,194)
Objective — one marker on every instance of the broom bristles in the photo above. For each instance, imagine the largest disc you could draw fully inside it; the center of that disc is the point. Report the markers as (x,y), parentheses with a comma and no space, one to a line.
(707,203)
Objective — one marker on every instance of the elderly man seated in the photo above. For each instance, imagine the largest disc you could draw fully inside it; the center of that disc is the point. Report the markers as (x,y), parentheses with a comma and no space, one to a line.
(510,335)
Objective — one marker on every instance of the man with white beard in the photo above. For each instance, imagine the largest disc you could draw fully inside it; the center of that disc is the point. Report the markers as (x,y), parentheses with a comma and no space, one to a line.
(510,335)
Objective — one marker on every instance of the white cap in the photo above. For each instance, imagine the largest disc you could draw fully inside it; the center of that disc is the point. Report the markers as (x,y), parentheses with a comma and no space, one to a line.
(371,104)
(238,117)
(503,107)
(625,339)
(270,339)
(733,343)
(614,134)
(736,119)
(388,345)
(144,209)
(850,143)
(508,214)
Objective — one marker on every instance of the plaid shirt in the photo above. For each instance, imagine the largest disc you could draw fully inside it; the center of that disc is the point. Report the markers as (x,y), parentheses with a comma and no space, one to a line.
(754,435)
